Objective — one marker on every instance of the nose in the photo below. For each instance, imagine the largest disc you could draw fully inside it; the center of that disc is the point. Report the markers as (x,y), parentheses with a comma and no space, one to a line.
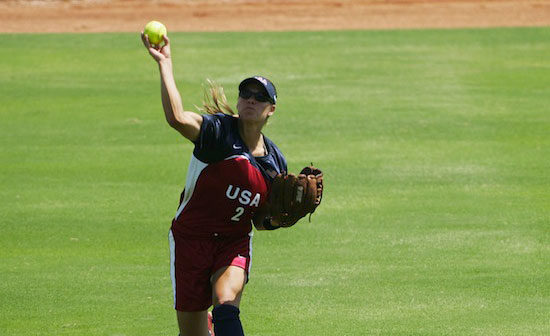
(251,99)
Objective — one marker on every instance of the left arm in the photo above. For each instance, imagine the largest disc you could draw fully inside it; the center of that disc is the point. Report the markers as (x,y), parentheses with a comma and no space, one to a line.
(262,220)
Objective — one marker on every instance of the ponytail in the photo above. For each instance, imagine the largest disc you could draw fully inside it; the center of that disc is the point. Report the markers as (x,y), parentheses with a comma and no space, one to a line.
(215,100)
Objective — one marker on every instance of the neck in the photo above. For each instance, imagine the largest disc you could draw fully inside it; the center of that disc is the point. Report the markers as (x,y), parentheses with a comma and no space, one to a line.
(251,133)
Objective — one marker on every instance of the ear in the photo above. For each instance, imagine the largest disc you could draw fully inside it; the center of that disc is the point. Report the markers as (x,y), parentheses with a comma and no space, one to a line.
(271,110)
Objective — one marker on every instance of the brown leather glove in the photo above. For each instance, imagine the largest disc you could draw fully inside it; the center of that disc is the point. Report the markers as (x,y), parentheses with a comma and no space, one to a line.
(293,197)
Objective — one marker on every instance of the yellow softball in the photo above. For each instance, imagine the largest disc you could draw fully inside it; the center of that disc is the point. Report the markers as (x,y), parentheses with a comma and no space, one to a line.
(155,30)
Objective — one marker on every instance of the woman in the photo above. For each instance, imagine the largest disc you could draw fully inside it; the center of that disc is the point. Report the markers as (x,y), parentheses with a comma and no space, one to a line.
(231,169)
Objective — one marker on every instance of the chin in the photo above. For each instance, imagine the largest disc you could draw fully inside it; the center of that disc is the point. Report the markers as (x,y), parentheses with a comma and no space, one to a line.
(248,115)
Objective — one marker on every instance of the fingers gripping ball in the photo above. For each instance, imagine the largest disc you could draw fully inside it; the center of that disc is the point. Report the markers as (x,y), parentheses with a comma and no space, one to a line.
(155,31)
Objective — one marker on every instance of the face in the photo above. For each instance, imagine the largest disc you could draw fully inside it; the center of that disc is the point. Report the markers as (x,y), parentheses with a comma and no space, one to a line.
(251,109)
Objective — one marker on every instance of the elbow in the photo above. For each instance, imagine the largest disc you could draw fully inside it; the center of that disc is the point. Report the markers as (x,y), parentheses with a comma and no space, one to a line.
(179,126)
(176,121)
(184,124)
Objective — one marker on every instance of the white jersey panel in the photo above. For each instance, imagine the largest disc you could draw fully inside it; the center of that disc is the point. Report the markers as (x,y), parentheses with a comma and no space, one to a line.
(172,243)
(193,172)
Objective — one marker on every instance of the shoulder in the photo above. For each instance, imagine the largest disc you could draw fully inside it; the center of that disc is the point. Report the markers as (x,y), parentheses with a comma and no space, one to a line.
(215,138)
(219,118)
(276,153)
(217,124)
(270,144)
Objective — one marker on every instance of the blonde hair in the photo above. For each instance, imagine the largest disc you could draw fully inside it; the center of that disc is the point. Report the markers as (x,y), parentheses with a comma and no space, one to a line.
(215,100)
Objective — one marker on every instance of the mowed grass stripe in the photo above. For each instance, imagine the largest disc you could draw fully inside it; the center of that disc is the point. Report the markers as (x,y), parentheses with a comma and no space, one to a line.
(434,143)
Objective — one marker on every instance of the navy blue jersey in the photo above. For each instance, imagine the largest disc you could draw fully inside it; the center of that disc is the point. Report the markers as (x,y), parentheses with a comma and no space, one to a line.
(225,184)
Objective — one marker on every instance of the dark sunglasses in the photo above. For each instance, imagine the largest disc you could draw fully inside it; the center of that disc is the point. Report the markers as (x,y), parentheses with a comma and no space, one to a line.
(259,96)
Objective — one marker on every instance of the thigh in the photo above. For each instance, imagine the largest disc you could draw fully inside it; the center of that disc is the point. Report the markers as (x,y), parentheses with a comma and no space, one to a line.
(231,265)
(191,268)
(193,323)
(228,285)
(234,252)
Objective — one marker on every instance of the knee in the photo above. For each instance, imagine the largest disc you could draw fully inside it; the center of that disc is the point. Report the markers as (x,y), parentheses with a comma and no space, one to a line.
(227,296)
(228,286)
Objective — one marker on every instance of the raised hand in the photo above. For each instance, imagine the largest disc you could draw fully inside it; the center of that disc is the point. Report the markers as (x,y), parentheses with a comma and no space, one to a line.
(159,53)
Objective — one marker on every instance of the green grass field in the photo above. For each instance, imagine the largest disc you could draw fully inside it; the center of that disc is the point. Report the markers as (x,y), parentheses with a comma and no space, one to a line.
(435,146)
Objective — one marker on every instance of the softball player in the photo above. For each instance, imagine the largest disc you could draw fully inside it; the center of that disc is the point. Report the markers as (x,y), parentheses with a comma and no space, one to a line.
(230,172)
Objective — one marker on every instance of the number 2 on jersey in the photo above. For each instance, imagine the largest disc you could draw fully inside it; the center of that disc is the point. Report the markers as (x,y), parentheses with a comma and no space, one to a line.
(238,213)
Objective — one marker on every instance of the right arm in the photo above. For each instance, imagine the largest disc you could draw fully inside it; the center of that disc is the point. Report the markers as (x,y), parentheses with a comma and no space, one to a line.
(186,122)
